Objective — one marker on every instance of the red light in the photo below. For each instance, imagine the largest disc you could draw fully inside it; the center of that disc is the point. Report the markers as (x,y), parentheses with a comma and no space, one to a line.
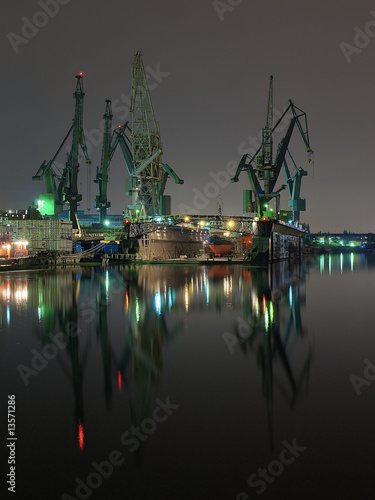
(80,73)
(81,436)
(119,380)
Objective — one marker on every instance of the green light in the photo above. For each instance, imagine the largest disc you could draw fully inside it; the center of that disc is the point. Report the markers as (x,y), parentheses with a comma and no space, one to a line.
(106,222)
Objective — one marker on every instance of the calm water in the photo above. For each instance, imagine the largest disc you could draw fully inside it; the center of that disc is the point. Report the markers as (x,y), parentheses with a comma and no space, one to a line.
(192,382)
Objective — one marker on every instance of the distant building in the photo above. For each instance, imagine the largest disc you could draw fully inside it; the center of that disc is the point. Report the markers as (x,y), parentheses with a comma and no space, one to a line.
(39,234)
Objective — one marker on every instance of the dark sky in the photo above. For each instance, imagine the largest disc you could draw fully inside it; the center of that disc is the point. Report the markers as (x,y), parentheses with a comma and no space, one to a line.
(213,65)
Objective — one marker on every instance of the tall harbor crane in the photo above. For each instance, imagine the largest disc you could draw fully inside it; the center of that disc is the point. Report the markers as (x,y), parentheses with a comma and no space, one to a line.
(296,203)
(62,182)
(148,174)
(261,166)
(101,202)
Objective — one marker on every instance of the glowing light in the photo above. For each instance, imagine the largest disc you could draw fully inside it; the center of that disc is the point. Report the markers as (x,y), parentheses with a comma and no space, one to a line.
(186,297)
(119,380)
(266,320)
(157,302)
(81,436)
(106,222)
(127,302)
(137,311)
(264,304)
(230,223)
(202,223)
(80,73)
(186,219)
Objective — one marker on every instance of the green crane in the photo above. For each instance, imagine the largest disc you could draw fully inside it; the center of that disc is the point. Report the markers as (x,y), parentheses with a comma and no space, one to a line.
(148,175)
(296,203)
(101,201)
(261,167)
(51,203)
(61,180)
(72,196)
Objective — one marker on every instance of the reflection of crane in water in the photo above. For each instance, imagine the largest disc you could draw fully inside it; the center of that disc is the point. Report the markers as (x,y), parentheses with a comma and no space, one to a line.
(66,319)
(264,339)
(146,331)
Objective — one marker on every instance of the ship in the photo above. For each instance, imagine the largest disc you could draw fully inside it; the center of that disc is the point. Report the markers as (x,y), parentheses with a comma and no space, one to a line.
(219,245)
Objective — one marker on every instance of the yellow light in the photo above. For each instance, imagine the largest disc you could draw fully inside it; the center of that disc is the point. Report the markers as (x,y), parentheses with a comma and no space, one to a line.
(202,223)
(186,219)
(230,223)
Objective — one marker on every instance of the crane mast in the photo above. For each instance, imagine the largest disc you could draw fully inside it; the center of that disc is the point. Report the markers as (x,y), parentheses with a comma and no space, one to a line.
(146,144)
(101,201)
(72,196)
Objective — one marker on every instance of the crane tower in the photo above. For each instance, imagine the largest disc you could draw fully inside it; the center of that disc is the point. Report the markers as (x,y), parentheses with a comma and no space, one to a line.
(149,174)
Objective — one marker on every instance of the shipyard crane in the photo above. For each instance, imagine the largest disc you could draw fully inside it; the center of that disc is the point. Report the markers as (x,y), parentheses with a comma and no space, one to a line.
(296,203)
(108,149)
(72,196)
(261,167)
(148,175)
(61,183)
(51,203)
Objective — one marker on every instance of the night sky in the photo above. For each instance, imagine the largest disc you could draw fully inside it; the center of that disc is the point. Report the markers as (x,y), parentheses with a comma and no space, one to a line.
(209,64)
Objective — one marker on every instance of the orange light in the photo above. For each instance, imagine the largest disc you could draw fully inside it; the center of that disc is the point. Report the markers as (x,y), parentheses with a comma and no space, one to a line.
(264,304)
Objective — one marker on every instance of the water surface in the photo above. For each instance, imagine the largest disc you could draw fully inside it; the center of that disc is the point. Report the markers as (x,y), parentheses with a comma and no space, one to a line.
(192,382)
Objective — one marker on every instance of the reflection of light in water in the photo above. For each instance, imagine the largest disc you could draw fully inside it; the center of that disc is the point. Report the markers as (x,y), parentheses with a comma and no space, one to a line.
(106,282)
(137,313)
(186,297)
(264,304)
(8,315)
(255,303)
(157,302)
(207,291)
(127,302)
(39,313)
(21,295)
(266,320)
(169,298)
(227,285)
(290,295)
(321,263)
(329,264)
(81,436)
(341,262)
(351,261)
(119,380)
